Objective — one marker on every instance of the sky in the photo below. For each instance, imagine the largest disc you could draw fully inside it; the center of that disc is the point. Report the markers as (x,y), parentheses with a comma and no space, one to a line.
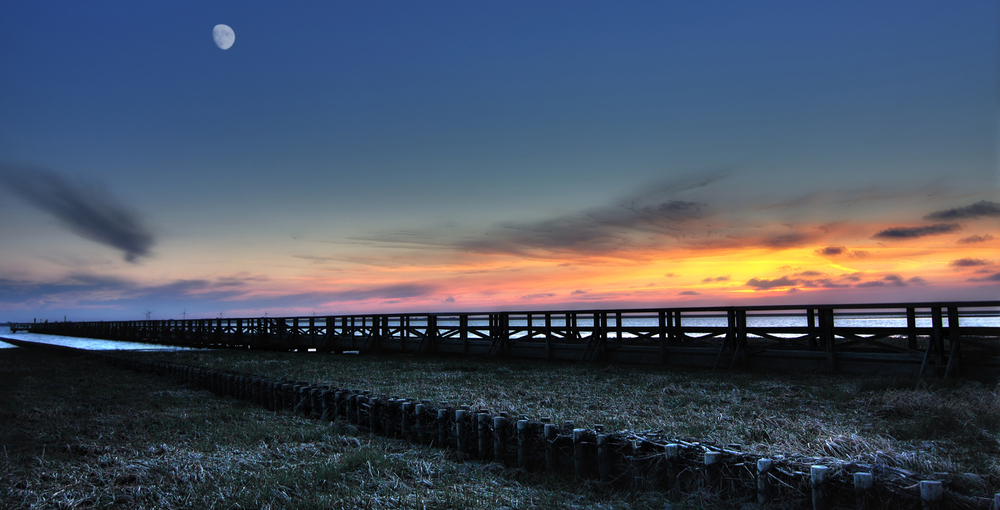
(390,156)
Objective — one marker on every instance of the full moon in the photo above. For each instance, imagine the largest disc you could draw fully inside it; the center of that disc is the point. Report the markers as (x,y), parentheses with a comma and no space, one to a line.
(224,36)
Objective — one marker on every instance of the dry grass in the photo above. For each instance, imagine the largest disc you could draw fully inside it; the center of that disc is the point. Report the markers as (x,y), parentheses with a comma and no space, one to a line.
(77,433)
(926,427)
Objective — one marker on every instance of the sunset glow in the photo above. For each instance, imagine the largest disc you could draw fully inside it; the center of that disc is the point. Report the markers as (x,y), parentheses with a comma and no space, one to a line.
(348,158)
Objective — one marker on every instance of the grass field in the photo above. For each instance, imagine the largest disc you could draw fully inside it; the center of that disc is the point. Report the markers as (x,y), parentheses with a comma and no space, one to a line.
(78,434)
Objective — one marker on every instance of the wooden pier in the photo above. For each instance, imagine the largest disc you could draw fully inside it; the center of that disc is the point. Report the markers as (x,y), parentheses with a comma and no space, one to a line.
(904,339)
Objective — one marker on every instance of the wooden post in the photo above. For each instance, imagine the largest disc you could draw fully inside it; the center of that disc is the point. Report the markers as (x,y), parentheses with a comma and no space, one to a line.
(420,419)
(662,319)
(671,453)
(463,332)
(442,423)
(911,328)
(931,494)
(819,480)
(404,419)
(483,420)
(463,432)
(829,338)
(996,501)
(863,483)
(499,439)
(713,464)
(811,319)
(548,336)
(954,339)
(603,457)
(523,443)
(636,465)
(327,406)
(579,455)
(937,337)
(551,431)
(765,491)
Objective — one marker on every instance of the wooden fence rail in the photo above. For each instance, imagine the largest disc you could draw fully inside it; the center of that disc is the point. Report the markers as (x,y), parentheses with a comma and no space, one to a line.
(915,339)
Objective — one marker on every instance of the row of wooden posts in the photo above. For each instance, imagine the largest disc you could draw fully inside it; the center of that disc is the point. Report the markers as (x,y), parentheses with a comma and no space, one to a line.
(622,460)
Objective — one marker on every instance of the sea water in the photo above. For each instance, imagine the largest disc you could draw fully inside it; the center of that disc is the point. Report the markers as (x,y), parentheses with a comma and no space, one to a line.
(89,344)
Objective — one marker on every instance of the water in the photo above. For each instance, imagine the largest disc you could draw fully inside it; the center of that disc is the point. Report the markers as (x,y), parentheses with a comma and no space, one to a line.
(89,344)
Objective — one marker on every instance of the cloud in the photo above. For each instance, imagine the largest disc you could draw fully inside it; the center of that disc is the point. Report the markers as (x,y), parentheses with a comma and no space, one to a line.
(975,239)
(831,251)
(995,277)
(761,284)
(981,208)
(887,280)
(688,293)
(449,299)
(916,280)
(87,211)
(671,275)
(872,283)
(894,279)
(578,292)
(969,262)
(809,273)
(537,296)
(716,279)
(401,291)
(913,232)
(858,254)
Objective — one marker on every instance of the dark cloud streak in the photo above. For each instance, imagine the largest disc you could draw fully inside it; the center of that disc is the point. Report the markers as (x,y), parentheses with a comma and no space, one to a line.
(87,211)
(981,208)
(914,232)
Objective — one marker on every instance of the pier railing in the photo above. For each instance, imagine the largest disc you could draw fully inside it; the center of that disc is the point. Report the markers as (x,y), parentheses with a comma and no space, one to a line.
(943,339)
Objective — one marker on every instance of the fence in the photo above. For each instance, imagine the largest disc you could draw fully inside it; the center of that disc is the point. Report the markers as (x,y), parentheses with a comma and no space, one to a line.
(906,339)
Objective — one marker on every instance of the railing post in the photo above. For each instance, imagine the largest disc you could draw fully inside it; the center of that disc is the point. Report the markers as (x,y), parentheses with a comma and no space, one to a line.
(548,336)
(954,339)
(662,320)
(463,332)
(911,328)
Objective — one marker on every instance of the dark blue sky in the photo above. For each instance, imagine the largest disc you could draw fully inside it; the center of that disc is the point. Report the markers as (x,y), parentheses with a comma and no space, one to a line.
(369,133)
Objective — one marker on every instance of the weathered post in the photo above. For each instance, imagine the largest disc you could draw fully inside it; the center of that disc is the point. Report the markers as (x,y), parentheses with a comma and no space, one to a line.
(551,431)
(581,462)
(765,491)
(931,494)
(419,422)
(499,438)
(463,432)
(820,476)
(483,420)
(522,444)
(672,452)
(327,406)
(404,420)
(352,408)
(863,483)
(713,464)
(339,404)
(635,463)
(442,427)
(603,455)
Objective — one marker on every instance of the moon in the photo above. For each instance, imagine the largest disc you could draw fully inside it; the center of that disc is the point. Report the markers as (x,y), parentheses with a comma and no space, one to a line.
(224,36)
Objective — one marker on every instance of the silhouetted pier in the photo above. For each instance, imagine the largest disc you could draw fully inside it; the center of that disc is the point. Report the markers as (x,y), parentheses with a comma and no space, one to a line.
(906,339)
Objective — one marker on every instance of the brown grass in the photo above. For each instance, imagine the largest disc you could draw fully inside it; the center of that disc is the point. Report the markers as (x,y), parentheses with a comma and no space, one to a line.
(922,426)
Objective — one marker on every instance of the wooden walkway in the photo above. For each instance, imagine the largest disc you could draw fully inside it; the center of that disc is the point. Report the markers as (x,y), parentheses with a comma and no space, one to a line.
(905,339)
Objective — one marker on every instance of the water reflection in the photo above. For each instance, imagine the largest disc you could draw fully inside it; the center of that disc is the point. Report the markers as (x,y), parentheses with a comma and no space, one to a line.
(90,344)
